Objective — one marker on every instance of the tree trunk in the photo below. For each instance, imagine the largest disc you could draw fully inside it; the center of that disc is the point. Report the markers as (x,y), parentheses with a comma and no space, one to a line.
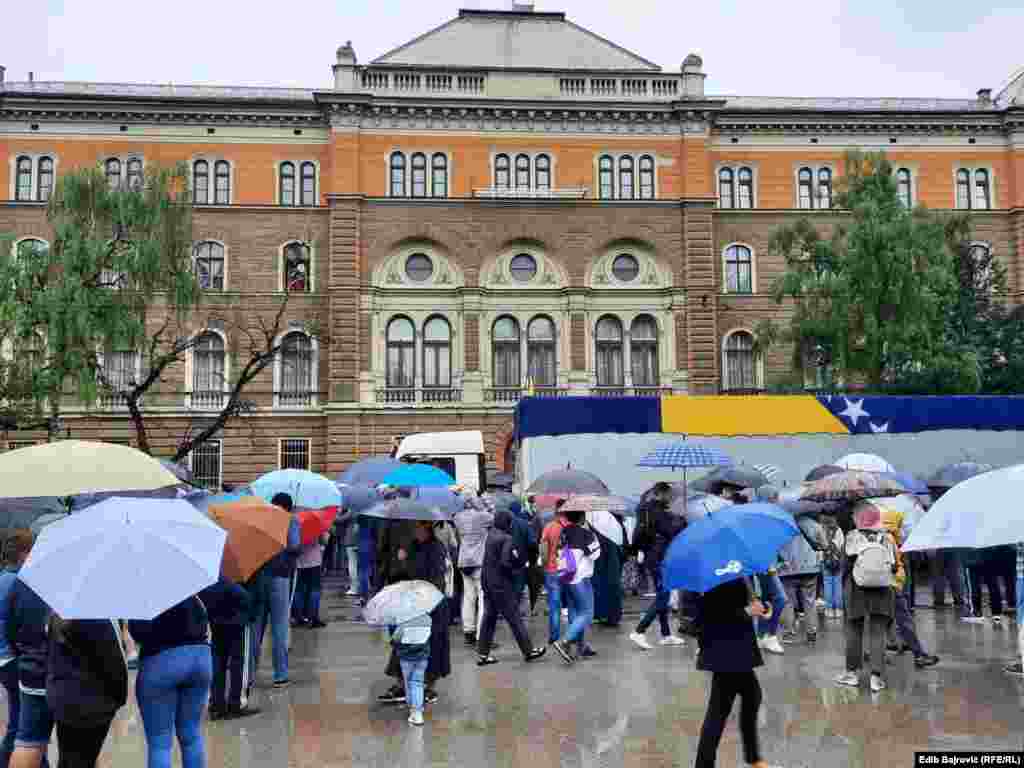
(141,436)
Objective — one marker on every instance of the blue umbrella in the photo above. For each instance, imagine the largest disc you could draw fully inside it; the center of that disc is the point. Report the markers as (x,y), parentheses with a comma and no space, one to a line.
(417,475)
(406,509)
(356,498)
(732,542)
(440,497)
(370,471)
(912,483)
(683,455)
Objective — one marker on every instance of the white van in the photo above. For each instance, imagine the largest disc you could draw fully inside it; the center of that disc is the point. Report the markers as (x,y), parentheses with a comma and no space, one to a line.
(460,454)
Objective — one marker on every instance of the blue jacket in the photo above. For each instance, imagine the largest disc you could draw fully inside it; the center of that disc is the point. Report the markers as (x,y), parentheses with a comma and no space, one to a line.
(8,578)
(226,602)
(183,624)
(26,634)
(283,564)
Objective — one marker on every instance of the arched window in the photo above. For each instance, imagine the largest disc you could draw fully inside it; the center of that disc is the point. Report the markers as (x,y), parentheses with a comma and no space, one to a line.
(542,171)
(113,172)
(540,352)
(201,182)
(222,182)
(963,189)
(308,171)
(287,184)
(439,175)
(646,177)
(45,179)
(643,351)
(825,188)
(397,174)
(740,371)
(726,197)
(23,189)
(739,270)
(419,175)
(805,181)
(209,258)
(904,190)
(982,196)
(401,354)
(134,173)
(208,377)
(626,178)
(608,339)
(501,172)
(297,277)
(437,353)
(746,188)
(507,353)
(522,172)
(296,381)
(606,177)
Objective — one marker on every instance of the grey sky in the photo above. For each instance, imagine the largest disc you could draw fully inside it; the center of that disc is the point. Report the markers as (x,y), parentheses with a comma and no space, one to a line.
(750,47)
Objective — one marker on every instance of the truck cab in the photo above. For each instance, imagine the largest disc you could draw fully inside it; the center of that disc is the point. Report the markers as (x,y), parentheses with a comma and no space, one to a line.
(460,454)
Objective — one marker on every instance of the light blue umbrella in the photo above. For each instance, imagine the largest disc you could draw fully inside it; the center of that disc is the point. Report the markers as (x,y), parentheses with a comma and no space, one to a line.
(418,475)
(307,489)
(440,497)
(402,602)
(125,559)
(371,471)
(685,454)
(732,542)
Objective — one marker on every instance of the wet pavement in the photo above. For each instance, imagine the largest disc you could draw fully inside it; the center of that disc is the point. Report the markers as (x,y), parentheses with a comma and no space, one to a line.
(624,708)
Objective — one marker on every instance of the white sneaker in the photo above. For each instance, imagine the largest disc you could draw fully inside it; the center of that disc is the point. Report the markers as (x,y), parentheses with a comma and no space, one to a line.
(771,644)
(672,640)
(351,593)
(851,679)
(416,717)
(641,641)
(973,619)
(877,684)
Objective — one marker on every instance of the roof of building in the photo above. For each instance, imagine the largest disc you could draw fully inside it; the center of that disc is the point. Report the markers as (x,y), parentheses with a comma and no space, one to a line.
(144,90)
(514,40)
(844,104)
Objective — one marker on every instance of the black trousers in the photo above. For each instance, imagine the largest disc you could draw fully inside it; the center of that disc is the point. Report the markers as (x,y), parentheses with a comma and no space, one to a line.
(228,657)
(985,572)
(80,746)
(506,604)
(725,687)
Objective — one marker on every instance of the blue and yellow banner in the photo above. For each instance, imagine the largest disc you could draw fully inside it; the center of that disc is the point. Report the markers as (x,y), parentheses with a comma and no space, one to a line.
(765,415)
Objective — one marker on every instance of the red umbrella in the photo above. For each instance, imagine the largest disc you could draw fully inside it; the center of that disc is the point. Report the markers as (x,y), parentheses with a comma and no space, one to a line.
(314,523)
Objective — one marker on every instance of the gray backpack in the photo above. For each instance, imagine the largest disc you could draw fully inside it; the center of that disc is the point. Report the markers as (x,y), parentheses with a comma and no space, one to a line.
(876,561)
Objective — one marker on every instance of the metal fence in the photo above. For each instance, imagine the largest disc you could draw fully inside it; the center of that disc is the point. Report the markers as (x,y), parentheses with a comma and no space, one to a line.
(206,465)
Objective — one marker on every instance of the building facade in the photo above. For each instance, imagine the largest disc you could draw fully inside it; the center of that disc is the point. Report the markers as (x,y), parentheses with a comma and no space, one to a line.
(506,204)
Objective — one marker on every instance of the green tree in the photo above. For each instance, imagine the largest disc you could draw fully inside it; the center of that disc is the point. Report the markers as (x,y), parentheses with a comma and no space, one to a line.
(870,299)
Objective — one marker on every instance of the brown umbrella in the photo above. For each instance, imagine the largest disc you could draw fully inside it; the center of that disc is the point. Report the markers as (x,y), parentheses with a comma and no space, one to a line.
(256,532)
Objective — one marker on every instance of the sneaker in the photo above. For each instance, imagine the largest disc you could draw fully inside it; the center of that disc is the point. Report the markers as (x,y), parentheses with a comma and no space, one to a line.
(351,593)
(997,619)
(812,637)
(393,695)
(672,640)
(851,679)
(640,640)
(236,714)
(430,696)
(973,619)
(317,624)
(282,683)
(1017,670)
(789,638)
(485,661)
(649,594)
(897,648)
(771,644)
(536,653)
(562,651)
(877,684)
(416,717)
(925,660)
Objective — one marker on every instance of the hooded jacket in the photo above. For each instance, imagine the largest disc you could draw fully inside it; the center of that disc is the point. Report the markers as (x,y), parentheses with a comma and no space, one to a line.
(184,624)
(473,523)
(26,635)
(87,678)
(500,555)
(659,527)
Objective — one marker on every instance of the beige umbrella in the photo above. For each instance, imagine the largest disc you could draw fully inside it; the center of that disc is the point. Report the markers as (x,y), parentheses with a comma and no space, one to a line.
(72,467)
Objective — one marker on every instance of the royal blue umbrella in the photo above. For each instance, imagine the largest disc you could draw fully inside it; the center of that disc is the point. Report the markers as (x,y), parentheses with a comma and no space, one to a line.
(729,543)
(685,454)
(418,475)
(370,471)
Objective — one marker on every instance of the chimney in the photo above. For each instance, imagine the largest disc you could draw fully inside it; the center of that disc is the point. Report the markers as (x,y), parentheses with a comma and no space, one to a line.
(693,77)
(984,95)
(345,69)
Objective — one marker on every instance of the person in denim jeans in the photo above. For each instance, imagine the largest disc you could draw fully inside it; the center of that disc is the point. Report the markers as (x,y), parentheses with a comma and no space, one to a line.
(552,584)
(173,685)
(657,526)
(15,551)
(773,596)
(282,568)
(411,641)
(586,548)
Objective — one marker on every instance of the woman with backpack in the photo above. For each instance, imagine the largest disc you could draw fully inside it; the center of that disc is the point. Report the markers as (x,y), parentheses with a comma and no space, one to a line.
(869,577)
(578,552)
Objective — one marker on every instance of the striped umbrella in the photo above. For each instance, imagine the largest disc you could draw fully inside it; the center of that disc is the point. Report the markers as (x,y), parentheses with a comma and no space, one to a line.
(771,472)
(683,455)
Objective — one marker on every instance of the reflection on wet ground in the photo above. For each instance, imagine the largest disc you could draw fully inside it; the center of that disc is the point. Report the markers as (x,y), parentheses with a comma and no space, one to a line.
(624,708)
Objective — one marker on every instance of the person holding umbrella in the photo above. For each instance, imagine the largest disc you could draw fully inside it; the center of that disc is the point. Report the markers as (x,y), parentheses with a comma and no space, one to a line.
(657,527)
(282,567)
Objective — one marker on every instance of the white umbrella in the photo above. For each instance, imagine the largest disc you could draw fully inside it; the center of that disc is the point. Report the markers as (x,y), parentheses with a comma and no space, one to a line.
(125,558)
(602,521)
(865,462)
(908,506)
(984,511)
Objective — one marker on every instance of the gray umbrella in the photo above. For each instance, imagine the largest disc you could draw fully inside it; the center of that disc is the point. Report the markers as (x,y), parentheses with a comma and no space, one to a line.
(22,512)
(568,481)
(823,471)
(954,474)
(738,475)
(406,509)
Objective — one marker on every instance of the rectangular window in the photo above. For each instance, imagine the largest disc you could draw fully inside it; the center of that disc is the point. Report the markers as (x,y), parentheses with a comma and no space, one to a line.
(206,460)
(294,454)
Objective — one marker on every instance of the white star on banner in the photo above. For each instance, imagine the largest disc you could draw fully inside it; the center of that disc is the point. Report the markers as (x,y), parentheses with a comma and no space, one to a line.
(854,411)
(884,427)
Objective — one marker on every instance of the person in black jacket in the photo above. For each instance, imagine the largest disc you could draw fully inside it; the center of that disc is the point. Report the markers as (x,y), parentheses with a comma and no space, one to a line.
(26,635)
(728,649)
(502,565)
(228,606)
(657,526)
(86,683)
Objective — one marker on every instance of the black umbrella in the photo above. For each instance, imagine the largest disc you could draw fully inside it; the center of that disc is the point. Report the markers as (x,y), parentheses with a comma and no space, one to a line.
(954,474)
(568,481)
(823,471)
(22,512)
(738,475)
(406,509)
